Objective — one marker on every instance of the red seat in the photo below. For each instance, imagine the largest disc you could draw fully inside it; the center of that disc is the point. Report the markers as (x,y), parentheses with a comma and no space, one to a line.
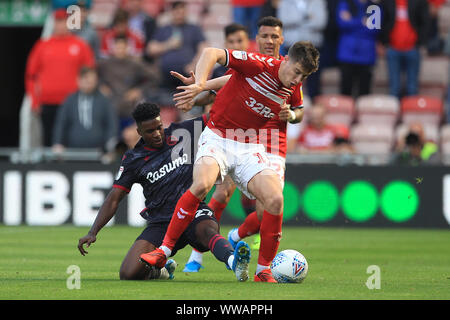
(424,109)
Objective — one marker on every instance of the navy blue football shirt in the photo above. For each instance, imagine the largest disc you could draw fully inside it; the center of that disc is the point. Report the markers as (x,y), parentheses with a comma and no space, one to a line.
(164,173)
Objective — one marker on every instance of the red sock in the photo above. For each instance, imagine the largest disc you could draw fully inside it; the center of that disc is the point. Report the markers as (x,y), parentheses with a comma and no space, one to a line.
(270,232)
(250,226)
(217,207)
(182,216)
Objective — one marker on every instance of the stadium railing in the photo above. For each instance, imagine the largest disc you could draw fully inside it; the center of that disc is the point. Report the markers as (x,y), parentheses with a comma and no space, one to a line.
(37,155)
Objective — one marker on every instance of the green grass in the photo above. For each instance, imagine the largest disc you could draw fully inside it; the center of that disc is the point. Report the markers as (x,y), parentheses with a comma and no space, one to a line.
(414,264)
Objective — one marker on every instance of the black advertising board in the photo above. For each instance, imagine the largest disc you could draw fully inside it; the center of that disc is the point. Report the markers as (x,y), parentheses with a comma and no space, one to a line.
(325,195)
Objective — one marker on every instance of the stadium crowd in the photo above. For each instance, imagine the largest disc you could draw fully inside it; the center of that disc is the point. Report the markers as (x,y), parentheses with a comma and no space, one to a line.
(84,83)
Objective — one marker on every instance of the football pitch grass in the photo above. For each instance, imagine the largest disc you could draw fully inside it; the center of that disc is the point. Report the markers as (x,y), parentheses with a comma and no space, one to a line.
(413,264)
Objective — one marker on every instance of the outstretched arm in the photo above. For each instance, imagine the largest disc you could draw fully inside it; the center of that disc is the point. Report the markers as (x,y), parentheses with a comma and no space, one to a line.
(106,212)
(202,99)
(213,84)
(209,57)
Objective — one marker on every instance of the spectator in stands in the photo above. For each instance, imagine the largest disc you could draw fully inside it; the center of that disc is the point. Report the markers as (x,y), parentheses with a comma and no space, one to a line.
(128,139)
(178,46)
(120,28)
(328,57)
(414,152)
(447,52)
(404,29)
(304,20)
(435,43)
(123,80)
(317,136)
(341,142)
(428,148)
(52,70)
(356,47)
(87,32)
(130,136)
(270,8)
(247,13)
(86,119)
(140,23)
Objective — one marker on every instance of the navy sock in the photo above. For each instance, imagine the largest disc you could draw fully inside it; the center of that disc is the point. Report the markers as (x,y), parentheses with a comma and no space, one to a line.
(220,247)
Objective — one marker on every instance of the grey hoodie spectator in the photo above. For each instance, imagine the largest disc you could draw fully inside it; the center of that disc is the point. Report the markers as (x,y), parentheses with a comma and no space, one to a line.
(304,20)
(86,119)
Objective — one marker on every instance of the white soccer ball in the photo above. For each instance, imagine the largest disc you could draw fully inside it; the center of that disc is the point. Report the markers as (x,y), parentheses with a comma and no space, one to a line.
(289,266)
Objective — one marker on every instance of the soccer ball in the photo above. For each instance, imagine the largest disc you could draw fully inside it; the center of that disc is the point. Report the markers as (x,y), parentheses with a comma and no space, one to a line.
(289,266)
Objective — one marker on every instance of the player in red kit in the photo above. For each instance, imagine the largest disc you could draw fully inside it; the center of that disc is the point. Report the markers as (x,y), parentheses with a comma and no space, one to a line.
(259,90)
(269,40)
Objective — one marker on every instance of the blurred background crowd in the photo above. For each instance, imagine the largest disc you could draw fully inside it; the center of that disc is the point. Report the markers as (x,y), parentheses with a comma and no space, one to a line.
(382,89)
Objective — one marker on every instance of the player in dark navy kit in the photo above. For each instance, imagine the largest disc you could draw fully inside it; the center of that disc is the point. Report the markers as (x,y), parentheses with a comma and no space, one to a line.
(162,162)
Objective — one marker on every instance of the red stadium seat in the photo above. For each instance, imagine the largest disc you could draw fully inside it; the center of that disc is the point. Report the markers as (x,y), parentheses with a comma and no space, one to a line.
(378,109)
(422,109)
(340,109)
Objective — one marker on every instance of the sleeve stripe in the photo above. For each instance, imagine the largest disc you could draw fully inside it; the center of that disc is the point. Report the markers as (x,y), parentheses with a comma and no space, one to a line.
(121,187)
(227,61)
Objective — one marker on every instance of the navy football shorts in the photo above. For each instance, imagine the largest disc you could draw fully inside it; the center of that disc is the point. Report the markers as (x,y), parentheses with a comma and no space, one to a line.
(155,232)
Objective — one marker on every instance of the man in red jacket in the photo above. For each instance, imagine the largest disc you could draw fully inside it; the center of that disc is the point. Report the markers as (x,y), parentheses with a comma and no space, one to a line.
(52,70)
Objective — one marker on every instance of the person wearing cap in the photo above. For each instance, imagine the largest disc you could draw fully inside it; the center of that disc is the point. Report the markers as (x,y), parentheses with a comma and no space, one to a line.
(52,70)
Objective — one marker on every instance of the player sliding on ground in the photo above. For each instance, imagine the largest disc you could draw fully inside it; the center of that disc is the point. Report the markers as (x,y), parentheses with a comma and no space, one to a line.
(259,90)
(268,40)
(162,163)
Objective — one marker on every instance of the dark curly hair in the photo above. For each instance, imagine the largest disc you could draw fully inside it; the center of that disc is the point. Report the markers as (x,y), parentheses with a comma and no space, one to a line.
(269,21)
(145,111)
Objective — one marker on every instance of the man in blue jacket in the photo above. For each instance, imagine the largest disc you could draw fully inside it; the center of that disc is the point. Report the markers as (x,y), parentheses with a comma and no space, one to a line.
(356,51)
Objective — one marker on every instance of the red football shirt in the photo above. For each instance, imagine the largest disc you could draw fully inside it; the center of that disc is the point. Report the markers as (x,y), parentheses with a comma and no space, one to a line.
(251,99)
(53,67)
(403,36)
(135,43)
(317,139)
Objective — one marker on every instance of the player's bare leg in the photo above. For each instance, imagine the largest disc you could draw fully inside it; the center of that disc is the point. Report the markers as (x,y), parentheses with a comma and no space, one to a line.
(249,227)
(205,174)
(266,187)
(222,195)
(132,269)
(219,200)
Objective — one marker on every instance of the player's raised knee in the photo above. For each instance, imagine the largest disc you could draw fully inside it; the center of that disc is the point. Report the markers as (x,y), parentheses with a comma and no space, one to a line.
(274,203)
(200,188)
